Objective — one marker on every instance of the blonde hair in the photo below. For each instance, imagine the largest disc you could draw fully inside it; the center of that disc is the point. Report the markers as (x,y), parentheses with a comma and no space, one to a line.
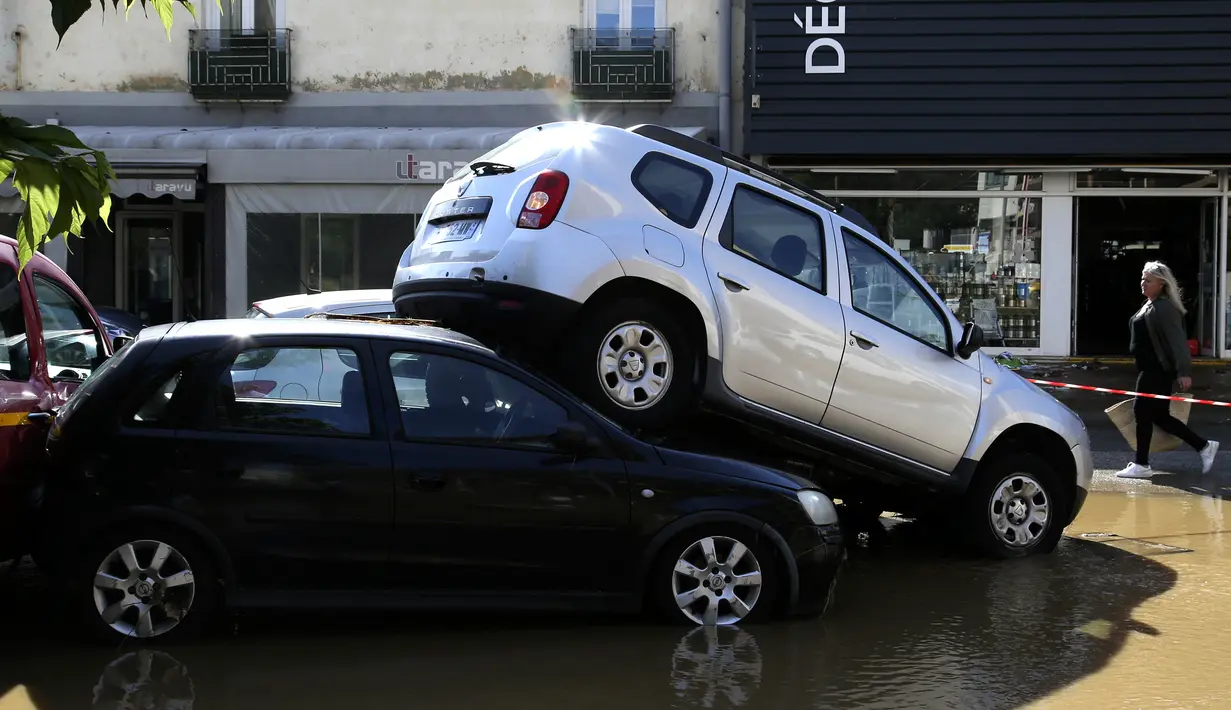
(1171,287)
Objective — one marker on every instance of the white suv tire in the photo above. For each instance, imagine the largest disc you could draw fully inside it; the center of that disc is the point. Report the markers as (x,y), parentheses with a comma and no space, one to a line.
(1017,506)
(632,360)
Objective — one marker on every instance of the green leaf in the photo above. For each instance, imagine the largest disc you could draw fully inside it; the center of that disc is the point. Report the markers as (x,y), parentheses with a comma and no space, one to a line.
(6,167)
(38,183)
(53,135)
(15,148)
(14,121)
(103,175)
(62,217)
(65,13)
(164,8)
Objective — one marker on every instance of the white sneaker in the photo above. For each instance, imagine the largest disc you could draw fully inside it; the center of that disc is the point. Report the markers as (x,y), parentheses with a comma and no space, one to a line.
(1207,456)
(1135,470)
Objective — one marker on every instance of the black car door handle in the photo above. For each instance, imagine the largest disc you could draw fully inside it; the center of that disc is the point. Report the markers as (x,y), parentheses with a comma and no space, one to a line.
(426,482)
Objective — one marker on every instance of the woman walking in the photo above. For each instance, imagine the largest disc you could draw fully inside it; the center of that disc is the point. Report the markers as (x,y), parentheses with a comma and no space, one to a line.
(1160,348)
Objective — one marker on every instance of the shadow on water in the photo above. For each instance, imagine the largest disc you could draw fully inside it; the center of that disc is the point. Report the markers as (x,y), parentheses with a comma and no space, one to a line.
(911,627)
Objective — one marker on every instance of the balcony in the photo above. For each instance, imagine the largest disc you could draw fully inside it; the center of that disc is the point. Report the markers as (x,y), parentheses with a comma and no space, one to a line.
(239,65)
(626,65)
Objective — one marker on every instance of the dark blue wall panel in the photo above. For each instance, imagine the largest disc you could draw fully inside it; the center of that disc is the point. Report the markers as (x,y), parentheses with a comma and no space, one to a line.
(1052,79)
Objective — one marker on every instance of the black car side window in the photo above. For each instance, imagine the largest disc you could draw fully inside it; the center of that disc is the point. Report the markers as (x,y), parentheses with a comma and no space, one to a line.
(154,411)
(450,399)
(294,390)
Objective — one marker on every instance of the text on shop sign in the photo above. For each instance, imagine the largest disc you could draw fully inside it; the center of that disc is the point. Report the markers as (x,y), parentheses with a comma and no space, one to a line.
(183,189)
(411,169)
(838,65)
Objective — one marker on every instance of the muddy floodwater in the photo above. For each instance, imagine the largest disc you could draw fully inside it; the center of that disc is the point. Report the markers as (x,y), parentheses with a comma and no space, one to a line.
(1132,611)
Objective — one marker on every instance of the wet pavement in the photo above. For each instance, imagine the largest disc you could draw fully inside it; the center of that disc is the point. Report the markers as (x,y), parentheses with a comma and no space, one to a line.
(1132,611)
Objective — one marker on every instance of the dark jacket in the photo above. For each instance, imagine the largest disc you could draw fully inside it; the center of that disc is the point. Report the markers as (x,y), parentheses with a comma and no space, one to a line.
(1168,336)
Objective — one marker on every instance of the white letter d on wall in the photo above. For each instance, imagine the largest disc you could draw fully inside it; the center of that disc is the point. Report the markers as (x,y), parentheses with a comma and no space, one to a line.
(810,66)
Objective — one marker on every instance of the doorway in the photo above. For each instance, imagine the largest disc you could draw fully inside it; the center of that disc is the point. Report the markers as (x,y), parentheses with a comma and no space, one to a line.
(1207,304)
(148,266)
(1115,237)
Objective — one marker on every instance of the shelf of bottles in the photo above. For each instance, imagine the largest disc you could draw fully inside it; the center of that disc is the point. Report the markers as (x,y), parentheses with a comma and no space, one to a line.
(1003,300)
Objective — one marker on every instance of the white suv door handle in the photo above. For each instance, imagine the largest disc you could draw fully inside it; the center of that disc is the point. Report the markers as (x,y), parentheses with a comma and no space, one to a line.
(864,339)
(732,281)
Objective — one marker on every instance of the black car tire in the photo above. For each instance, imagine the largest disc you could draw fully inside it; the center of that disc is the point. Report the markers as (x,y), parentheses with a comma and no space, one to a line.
(661,593)
(206,591)
(581,357)
(1016,469)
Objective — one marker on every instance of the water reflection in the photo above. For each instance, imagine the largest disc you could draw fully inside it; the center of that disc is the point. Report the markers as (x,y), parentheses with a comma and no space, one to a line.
(716,664)
(144,680)
(912,626)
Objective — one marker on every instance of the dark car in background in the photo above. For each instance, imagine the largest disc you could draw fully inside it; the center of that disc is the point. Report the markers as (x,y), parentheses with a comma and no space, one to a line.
(376,303)
(119,322)
(437,474)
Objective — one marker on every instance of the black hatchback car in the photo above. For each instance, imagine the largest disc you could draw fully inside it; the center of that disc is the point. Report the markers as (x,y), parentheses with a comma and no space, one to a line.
(326,463)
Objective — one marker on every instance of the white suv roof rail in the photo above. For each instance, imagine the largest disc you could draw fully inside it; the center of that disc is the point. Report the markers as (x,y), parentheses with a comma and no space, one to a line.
(713,153)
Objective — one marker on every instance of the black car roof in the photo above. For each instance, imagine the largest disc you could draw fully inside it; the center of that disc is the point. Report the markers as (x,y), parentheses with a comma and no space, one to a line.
(257,327)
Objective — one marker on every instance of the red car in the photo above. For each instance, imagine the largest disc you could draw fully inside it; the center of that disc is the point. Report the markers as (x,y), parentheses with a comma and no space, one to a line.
(51,339)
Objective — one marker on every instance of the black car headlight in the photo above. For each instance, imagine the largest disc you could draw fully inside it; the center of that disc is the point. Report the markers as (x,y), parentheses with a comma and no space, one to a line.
(819,507)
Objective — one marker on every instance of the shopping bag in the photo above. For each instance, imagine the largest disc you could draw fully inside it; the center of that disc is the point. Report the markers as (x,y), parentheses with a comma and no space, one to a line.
(1121,414)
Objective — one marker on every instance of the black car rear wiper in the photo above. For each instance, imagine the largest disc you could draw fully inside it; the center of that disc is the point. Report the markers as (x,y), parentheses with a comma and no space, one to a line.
(484,167)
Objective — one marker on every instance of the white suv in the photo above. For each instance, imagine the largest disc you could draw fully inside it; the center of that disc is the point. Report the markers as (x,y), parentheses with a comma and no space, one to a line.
(649,271)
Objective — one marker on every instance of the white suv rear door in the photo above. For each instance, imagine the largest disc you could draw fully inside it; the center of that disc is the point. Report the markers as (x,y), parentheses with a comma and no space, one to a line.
(773,272)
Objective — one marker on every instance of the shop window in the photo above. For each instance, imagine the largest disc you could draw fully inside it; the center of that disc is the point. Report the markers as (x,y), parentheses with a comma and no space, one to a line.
(1148,179)
(981,255)
(906,180)
(305,253)
(677,188)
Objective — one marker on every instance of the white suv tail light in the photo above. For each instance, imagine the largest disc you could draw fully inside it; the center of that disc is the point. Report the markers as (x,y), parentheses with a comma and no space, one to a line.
(544,201)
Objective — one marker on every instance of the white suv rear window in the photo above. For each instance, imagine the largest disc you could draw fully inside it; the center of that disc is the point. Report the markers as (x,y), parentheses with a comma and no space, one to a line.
(518,152)
(676,187)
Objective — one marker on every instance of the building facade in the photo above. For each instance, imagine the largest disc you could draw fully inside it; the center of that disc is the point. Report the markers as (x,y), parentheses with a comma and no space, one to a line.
(291,145)
(1028,158)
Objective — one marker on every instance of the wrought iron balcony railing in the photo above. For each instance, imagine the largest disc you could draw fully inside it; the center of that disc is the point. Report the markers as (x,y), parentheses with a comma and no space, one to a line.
(240,65)
(625,65)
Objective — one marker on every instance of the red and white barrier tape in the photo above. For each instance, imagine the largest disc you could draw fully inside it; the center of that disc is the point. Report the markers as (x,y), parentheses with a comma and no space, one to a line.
(1106,390)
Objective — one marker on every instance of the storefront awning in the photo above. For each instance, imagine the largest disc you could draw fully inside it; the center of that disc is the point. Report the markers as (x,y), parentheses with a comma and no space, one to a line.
(177,183)
(275,154)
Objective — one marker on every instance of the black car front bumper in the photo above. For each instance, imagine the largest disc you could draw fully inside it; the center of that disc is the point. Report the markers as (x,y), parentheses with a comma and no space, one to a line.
(819,552)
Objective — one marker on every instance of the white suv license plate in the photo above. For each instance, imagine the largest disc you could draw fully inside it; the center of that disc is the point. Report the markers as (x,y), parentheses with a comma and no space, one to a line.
(461,229)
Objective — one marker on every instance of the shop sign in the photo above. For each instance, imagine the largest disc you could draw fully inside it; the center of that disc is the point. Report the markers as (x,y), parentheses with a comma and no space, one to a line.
(432,170)
(182,188)
(834,53)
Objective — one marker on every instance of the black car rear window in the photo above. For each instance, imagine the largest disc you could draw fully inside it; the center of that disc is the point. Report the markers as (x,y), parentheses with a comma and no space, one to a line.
(676,187)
